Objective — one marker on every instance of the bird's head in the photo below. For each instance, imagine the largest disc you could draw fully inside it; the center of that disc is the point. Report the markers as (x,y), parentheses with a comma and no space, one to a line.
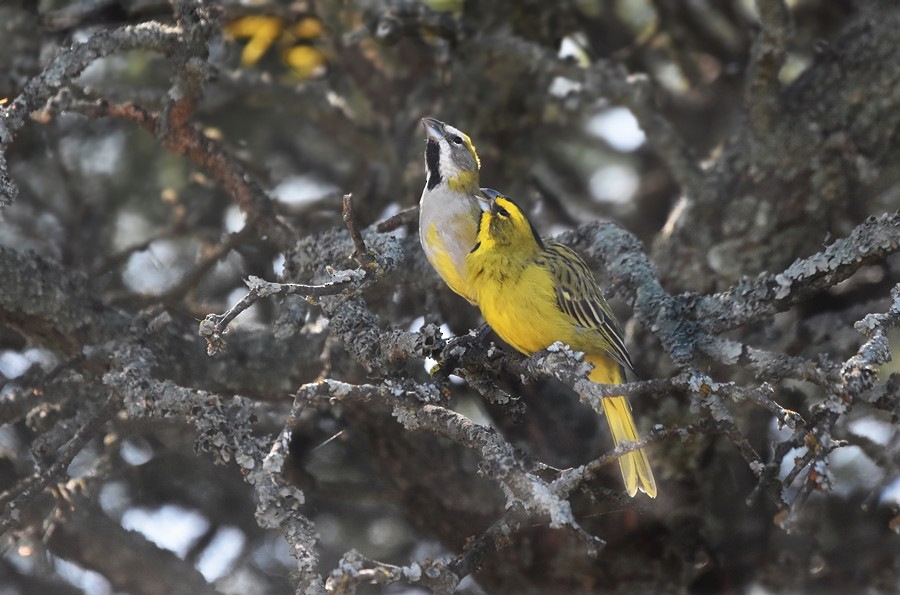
(450,157)
(504,225)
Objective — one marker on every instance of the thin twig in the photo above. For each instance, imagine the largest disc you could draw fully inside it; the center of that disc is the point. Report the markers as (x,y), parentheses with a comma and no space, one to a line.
(361,253)
(355,569)
(767,58)
(15,499)
(214,326)
(405,217)
(495,537)
(570,479)
(19,401)
(190,278)
(180,136)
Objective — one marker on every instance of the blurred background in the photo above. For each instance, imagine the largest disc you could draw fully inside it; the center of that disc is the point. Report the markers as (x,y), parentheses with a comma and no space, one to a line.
(321,98)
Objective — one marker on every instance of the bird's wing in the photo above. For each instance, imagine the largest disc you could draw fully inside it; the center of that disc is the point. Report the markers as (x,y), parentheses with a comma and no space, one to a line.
(578,295)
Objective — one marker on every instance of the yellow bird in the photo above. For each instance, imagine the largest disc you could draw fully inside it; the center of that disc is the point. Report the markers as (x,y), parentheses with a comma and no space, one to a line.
(534,293)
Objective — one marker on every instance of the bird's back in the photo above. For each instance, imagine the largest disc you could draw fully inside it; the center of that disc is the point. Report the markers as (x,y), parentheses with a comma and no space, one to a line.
(591,325)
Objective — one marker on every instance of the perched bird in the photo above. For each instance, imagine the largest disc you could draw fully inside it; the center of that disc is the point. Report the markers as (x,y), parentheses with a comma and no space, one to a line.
(449,210)
(534,293)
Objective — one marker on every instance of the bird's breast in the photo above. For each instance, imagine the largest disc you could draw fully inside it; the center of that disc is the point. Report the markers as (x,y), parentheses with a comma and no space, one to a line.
(517,302)
(447,227)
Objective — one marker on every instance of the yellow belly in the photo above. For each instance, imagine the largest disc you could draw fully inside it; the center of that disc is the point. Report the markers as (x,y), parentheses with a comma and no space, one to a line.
(522,310)
(448,223)
(440,251)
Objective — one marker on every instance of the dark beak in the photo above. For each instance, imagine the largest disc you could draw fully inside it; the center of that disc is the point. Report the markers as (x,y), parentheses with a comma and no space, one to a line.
(491,196)
(483,201)
(434,129)
(490,193)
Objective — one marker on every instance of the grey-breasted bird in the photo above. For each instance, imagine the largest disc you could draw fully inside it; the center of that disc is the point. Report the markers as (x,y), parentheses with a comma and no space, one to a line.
(449,210)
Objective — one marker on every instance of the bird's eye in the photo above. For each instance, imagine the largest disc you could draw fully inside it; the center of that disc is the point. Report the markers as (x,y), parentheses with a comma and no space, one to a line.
(457,140)
(502,212)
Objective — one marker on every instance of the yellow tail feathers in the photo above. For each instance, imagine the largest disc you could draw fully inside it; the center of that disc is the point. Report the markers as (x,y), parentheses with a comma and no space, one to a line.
(634,465)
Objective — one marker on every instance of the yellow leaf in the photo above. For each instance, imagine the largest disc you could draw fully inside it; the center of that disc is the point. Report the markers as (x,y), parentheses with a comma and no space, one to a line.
(262,31)
(308,28)
(305,60)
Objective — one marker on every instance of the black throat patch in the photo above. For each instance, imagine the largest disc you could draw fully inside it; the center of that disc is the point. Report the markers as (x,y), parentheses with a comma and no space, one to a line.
(433,163)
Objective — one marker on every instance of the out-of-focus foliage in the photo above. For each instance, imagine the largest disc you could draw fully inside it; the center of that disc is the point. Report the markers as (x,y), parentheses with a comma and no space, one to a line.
(295,40)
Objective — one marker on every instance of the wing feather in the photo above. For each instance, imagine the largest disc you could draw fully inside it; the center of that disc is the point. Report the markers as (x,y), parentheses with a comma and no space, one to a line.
(578,296)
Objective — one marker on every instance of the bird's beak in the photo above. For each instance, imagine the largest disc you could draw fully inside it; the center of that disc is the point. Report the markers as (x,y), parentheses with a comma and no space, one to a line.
(490,193)
(489,202)
(434,129)
(483,202)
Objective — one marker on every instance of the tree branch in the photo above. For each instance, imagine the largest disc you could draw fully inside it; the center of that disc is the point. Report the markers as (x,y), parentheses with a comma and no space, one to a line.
(749,300)
(15,499)
(214,326)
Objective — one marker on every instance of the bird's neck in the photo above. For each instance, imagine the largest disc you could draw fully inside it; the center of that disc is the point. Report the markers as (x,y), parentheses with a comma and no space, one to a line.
(493,255)
(464,181)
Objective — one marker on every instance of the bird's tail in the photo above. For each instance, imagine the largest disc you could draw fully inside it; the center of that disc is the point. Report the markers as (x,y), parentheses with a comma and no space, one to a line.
(634,465)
